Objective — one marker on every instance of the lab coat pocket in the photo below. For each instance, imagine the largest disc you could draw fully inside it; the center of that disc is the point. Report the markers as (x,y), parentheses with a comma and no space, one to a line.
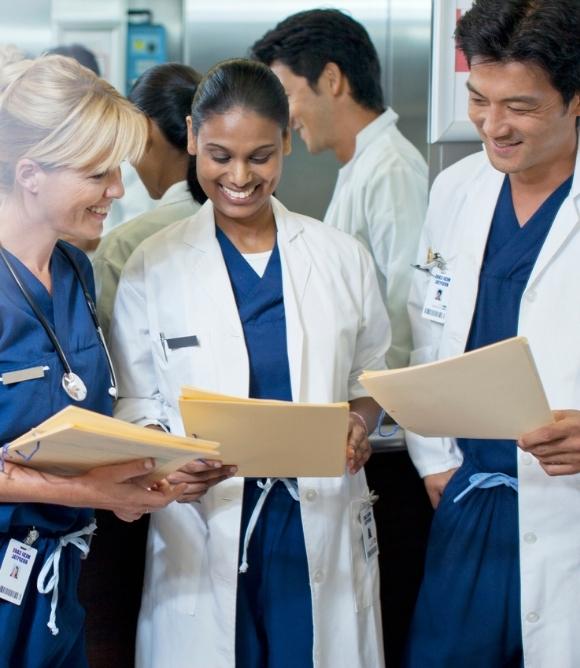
(181,357)
(365,572)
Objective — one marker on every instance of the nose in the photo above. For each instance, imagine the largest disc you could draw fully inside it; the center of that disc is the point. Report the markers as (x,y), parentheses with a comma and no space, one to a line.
(241,173)
(494,122)
(114,188)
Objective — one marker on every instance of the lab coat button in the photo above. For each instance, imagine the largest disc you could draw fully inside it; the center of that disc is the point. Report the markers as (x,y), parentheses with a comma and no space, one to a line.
(532,617)
(530,537)
(318,577)
(311,494)
(526,458)
(531,296)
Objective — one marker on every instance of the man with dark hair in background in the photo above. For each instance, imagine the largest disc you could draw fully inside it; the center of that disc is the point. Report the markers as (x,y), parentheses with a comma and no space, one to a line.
(502,578)
(331,73)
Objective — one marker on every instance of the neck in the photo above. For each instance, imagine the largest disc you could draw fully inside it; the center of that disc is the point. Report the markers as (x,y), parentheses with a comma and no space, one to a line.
(251,235)
(26,238)
(352,120)
(545,178)
(172,171)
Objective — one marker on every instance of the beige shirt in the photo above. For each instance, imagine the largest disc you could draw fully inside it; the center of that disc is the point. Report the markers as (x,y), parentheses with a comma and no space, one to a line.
(116,246)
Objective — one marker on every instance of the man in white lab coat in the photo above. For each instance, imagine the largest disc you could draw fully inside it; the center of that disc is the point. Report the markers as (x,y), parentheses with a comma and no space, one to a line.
(502,579)
(331,73)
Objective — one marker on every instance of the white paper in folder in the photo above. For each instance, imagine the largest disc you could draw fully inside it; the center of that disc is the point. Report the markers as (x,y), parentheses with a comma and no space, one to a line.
(493,392)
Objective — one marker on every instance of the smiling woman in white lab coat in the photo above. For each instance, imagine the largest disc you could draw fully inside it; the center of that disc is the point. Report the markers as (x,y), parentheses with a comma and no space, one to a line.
(249,299)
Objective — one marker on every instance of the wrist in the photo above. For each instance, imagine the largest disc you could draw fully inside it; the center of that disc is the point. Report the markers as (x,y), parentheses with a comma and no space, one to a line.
(359,418)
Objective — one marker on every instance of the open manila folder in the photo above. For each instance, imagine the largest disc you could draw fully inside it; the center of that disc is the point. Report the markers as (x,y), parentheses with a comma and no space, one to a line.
(270,439)
(493,392)
(75,440)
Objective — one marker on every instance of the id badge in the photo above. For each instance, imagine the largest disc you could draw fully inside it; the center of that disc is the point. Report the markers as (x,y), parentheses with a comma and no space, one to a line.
(369,530)
(15,571)
(435,306)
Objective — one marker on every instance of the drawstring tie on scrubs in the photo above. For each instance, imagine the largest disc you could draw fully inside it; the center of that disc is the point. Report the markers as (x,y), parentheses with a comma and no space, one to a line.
(51,568)
(265,486)
(486,480)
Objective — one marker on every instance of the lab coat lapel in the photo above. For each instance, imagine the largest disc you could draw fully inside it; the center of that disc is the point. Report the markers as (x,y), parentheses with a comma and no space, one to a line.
(477,213)
(296,266)
(566,222)
(207,269)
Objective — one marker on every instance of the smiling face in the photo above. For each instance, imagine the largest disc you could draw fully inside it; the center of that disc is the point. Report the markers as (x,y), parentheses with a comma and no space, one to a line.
(521,118)
(75,203)
(239,163)
(310,111)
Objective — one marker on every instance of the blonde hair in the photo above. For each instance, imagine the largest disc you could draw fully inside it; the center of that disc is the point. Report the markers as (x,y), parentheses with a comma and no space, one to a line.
(58,113)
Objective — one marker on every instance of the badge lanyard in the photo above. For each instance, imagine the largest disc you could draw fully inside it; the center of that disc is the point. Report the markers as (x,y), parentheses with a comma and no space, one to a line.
(72,384)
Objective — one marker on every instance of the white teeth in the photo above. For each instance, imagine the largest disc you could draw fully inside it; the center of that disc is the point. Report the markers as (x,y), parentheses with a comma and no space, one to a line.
(236,194)
(101,210)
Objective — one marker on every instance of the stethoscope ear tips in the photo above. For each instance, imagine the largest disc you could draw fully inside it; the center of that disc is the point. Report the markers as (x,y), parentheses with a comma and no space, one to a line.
(113,392)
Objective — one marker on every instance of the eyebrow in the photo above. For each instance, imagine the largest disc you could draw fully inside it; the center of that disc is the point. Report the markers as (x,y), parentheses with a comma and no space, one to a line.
(224,148)
(525,99)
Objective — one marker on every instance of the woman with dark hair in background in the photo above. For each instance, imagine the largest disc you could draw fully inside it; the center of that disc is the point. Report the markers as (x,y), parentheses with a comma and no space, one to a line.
(279,306)
(164,94)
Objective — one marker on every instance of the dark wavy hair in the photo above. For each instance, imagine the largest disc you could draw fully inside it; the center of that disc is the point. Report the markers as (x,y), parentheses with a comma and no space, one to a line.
(305,42)
(543,32)
(164,94)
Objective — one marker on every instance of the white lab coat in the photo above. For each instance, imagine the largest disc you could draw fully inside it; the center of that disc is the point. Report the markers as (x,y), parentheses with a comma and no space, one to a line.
(380,198)
(458,221)
(177,283)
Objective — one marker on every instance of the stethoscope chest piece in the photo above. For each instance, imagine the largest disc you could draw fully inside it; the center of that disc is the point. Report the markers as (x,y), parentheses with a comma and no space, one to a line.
(74,386)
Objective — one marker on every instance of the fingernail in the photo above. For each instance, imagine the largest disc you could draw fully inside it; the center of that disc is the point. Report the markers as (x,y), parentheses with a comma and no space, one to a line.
(149,464)
(216,465)
(232,470)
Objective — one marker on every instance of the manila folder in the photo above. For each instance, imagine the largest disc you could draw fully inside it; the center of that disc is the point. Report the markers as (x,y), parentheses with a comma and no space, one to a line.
(493,392)
(270,439)
(76,440)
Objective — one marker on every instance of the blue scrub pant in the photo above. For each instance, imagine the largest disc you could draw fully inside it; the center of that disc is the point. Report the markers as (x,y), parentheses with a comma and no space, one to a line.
(468,611)
(274,607)
(25,639)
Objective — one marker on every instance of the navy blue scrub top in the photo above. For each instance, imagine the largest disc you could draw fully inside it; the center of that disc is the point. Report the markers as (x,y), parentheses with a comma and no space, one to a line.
(510,256)
(23,344)
(260,303)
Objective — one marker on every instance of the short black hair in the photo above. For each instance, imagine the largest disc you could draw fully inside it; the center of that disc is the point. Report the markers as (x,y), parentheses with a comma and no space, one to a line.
(240,83)
(307,41)
(543,32)
(164,93)
(79,53)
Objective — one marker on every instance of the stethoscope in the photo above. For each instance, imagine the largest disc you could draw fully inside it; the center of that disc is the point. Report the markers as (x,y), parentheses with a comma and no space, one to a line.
(72,384)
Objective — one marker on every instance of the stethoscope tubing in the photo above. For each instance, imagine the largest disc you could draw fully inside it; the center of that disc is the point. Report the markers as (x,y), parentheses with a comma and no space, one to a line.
(46,325)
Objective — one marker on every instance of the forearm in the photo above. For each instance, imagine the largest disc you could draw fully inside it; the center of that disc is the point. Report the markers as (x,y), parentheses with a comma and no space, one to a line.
(20,484)
(368,409)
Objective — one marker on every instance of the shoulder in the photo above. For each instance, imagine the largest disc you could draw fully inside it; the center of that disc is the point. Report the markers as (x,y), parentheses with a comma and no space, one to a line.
(328,242)
(121,241)
(462,173)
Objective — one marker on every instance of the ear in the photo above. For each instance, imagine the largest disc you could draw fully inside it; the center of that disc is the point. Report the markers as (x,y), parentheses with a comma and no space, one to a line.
(28,175)
(191,137)
(334,78)
(575,105)
(287,142)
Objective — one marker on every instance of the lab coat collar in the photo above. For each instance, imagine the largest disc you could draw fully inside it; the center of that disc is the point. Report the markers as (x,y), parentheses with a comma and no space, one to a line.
(178,192)
(374,131)
(566,222)
(201,232)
